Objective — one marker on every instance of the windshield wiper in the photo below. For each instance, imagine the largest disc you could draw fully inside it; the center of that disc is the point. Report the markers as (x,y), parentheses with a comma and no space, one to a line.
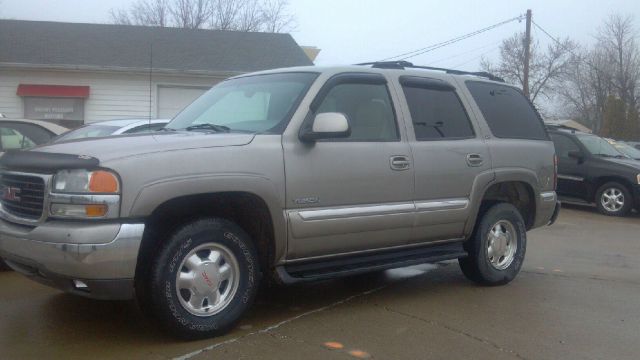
(166,129)
(611,156)
(207,126)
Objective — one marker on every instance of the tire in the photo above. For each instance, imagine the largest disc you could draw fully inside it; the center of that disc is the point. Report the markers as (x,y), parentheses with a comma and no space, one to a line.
(614,199)
(502,219)
(205,253)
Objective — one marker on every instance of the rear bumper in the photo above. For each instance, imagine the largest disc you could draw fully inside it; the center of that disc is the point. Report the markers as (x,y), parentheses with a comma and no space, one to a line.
(105,265)
(547,208)
(556,212)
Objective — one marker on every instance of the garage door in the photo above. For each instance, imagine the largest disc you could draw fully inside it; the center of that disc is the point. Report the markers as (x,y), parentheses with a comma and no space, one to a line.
(171,100)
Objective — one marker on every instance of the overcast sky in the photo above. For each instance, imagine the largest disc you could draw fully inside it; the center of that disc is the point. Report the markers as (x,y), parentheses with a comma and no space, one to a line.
(351,31)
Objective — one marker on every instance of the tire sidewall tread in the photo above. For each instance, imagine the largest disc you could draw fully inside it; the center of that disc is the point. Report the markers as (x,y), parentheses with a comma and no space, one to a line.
(476,266)
(166,305)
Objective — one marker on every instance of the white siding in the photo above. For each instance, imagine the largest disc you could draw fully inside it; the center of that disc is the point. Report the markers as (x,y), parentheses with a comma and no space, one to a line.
(111,95)
(172,99)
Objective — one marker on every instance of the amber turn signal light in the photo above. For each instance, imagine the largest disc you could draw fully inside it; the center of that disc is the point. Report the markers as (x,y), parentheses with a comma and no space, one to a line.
(103,182)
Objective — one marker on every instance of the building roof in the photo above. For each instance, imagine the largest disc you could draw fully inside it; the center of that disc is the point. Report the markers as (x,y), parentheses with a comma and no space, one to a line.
(568,123)
(125,47)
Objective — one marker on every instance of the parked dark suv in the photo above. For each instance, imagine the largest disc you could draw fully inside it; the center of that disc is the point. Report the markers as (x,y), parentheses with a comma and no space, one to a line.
(591,170)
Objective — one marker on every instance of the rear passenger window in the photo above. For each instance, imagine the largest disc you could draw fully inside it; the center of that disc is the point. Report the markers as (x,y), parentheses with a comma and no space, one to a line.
(507,112)
(436,113)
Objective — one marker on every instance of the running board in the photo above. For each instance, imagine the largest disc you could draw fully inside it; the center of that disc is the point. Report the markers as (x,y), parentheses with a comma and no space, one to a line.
(363,263)
(574,201)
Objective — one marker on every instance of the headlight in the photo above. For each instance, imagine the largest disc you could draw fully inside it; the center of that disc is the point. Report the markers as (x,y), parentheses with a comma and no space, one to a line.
(638,179)
(83,181)
(82,194)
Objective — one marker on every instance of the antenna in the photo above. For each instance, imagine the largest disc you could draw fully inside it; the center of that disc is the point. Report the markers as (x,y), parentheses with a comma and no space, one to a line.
(150,78)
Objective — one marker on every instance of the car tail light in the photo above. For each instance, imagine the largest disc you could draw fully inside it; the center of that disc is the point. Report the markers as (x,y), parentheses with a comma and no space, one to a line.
(555,172)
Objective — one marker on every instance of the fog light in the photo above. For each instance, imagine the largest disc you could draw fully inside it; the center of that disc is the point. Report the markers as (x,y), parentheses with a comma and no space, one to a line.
(73,210)
(80,285)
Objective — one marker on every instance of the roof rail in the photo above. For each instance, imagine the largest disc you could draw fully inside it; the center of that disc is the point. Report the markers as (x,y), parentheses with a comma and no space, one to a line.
(401,65)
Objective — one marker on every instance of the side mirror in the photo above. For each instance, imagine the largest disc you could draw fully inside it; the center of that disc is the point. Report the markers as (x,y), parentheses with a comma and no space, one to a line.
(329,125)
(575,154)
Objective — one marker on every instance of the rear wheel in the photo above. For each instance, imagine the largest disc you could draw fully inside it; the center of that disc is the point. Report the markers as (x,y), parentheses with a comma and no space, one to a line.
(497,247)
(614,199)
(204,279)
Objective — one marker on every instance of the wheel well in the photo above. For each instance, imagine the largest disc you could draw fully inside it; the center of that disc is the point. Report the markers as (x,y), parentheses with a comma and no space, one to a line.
(247,210)
(605,179)
(517,193)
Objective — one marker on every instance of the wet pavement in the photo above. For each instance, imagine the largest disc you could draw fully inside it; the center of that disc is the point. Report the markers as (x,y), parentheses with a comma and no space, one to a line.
(578,296)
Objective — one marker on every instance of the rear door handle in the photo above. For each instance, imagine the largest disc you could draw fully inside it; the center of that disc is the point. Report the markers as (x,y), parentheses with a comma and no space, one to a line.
(474,160)
(400,162)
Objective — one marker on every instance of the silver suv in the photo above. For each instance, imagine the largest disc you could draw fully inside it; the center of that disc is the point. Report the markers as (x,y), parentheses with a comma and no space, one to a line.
(285,176)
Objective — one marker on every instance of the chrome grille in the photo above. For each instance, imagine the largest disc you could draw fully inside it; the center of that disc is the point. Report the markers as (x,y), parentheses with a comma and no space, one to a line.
(22,195)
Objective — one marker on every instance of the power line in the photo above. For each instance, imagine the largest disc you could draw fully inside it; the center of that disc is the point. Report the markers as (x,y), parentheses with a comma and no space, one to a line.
(414,53)
(464,53)
(566,48)
(476,57)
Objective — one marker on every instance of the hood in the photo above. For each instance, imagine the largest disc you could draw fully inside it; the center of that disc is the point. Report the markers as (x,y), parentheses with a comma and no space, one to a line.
(115,147)
(635,164)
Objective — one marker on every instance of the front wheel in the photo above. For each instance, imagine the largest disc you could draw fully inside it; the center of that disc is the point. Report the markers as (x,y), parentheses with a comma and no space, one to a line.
(204,279)
(497,247)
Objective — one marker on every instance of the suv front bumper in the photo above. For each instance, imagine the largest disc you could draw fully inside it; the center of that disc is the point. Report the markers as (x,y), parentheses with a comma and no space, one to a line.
(92,260)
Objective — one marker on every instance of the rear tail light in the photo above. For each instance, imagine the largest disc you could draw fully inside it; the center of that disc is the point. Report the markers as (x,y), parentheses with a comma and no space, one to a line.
(555,172)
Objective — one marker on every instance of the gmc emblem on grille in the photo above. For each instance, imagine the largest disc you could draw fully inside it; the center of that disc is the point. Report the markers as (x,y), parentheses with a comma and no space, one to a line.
(11,193)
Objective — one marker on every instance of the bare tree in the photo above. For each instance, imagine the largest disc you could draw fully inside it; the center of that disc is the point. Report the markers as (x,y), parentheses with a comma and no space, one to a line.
(546,67)
(618,38)
(190,14)
(143,12)
(276,16)
(586,86)
(604,77)
(238,15)
(250,17)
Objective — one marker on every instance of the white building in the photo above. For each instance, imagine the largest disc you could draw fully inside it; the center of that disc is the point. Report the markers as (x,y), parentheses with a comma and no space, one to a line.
(71,73)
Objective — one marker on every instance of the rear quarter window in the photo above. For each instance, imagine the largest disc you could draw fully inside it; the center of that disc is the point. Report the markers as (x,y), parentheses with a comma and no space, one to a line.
(507,112)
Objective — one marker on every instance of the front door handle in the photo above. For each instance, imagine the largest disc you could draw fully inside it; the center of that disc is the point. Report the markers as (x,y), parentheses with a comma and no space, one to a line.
(400,162)
(474,160)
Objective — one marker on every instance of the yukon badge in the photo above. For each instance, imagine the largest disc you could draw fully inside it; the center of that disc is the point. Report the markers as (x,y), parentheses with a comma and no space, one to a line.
(307,200)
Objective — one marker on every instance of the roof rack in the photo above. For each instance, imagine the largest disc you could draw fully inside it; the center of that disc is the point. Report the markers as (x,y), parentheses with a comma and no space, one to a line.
(401,65)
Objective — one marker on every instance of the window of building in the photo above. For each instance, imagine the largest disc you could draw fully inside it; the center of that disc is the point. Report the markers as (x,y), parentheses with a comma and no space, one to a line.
(507,112)
(60,104)
(368,108)
(437,114)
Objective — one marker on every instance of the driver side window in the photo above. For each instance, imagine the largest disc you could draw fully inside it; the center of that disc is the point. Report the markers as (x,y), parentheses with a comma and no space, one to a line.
(368,109)
(563,145)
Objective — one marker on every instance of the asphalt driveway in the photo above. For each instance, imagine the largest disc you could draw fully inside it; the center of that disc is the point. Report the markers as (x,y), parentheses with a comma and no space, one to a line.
(577,297)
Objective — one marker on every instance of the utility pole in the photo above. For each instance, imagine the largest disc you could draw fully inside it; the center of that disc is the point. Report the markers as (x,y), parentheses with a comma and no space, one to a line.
(527,55)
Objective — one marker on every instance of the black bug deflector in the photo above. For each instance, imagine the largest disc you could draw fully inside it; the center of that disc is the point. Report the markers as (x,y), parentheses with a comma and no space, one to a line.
(44,162)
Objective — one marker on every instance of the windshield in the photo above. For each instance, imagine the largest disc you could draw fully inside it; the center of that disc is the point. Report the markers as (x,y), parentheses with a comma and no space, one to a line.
(598,146)
(255,104)
(627,150)
(88,131)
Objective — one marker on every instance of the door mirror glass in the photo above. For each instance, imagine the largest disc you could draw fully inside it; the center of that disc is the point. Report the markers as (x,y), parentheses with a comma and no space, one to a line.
(328,125)
(574,154)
